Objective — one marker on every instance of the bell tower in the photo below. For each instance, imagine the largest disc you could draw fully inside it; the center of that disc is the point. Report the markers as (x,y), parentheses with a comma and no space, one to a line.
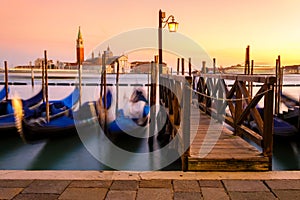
(79,48)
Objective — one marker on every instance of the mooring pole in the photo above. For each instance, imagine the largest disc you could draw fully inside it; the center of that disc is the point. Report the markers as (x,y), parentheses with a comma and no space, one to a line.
(280,71)
(250,83)
(247,60)
(299,114)
(80,82)
(46,88)
(276,87)
(203,67)
(214,70)
(104,90)
(178,63)
(117,86)
(6,80)
(190,66)
(43,80)
(32,74)
(182,66)
(214,65)
(154,73)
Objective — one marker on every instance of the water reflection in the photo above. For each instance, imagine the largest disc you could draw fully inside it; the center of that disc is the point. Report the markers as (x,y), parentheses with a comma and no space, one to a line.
(286,154)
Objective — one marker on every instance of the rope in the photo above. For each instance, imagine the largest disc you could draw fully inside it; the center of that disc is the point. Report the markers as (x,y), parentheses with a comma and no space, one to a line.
(230,100)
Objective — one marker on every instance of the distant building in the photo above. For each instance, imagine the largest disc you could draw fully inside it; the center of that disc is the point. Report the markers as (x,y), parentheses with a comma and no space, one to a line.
(145,67)
(111,62)
(79,48)
(257,69)
(292,69)
(38,63)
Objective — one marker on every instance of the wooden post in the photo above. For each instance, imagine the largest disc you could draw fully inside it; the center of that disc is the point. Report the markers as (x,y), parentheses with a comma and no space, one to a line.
(101,86)
(117,86)
(80,81)
(46,88)
(182,66)
(32,74)
(298,125)
(149,72)
(280,75)
(176,105)
(276,88)
(156,79)
(153,85)
(203,67)
(190,66)
(268,125)
(252,72)
(247,60)
(43,80)
(214,65)
(214,69)
(104,89)
(178,63)
(187,101)
(100,116)
(6,80)
(250,82)
(154,72)
(281,84)
(238,109)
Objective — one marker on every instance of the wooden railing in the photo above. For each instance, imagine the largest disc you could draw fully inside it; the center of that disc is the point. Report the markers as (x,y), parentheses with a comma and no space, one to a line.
(176,96)
(214,97)
(232,103)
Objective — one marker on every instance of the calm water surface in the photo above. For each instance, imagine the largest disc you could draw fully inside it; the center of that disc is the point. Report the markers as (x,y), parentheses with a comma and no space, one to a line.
(70,154)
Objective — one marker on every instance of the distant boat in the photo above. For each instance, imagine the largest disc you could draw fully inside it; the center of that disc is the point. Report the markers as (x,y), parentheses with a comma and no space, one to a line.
(7,118)
(3,93)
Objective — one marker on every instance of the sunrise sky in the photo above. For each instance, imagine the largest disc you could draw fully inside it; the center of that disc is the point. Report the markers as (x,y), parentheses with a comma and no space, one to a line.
(223,28)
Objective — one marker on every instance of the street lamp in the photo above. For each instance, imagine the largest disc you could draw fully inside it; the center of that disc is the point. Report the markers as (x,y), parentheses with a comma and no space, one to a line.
(173,26)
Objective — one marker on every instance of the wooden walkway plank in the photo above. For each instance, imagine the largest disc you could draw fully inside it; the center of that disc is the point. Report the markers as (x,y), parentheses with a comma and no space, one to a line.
(216,148)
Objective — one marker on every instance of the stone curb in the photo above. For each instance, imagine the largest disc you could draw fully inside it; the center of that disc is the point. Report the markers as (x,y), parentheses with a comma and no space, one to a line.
(147,175)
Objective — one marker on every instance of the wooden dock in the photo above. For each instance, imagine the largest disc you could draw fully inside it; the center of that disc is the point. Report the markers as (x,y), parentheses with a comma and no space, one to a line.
(228,153)
(199,109)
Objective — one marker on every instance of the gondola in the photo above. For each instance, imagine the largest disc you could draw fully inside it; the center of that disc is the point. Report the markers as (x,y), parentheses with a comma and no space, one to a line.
(31,108)
(133,118)
(63,120)
(64,123)
(56,106)
(60,124)
(281,127)
(291,116)
(3,93)
(289,101)
(7,119)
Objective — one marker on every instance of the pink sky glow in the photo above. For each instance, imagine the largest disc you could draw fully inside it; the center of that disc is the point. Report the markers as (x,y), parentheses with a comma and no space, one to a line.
(222,28)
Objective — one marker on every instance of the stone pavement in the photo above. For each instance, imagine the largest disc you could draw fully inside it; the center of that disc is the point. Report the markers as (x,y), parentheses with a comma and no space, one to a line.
(21,185)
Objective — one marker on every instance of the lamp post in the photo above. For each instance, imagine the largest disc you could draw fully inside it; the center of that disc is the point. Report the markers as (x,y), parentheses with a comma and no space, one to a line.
(172,25)
(172,28)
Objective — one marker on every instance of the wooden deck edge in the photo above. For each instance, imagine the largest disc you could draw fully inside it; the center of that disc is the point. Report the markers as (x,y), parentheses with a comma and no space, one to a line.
(204,164)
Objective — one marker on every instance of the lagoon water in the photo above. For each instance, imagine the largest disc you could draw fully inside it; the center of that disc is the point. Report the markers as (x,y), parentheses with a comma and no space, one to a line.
(70,153)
